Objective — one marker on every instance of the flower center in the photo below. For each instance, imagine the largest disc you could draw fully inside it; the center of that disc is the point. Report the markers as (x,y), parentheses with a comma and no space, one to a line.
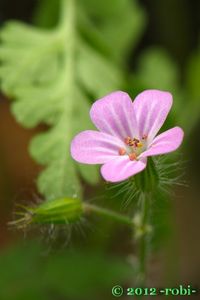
(133,147)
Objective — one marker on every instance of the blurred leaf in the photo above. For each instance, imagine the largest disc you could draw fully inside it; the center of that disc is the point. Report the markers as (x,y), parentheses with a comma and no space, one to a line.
(27,274)
(51,72)
(99,23)
(119,25)
(193,75)
(157,70)
(189,116)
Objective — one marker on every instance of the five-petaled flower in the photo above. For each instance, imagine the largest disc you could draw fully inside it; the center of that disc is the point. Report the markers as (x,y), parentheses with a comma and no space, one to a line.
(127,133)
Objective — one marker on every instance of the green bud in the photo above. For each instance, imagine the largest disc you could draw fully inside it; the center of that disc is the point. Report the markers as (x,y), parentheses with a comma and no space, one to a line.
(60,211)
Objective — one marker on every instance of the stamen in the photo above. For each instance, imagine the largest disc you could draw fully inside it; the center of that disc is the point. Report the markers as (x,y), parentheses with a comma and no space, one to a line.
(135,148)
(132,156)
(127,140)
(122,151)
(131,143)
(136,140)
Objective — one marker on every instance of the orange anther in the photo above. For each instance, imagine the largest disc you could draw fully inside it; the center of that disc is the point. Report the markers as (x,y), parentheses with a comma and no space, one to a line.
(127,140)
(132,156)
(122,151)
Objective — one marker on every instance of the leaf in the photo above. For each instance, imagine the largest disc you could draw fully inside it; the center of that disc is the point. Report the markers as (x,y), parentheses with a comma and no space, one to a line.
(119,25)
(193,75)
(110,35)
(157,70)
(52,73)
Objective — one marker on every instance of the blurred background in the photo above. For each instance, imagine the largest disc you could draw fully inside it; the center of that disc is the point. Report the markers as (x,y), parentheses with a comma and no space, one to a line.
(84,262)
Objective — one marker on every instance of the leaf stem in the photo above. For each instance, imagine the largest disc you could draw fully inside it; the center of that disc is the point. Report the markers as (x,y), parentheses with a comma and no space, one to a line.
(66,12)
(90,208)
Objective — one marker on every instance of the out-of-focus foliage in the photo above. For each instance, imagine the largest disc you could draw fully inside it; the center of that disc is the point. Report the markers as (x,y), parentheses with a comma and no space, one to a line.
(193,75)
(50,74)
(101,23)
(30,274)
(157,70)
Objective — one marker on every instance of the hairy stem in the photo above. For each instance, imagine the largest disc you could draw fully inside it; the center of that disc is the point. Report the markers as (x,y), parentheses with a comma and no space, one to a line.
(104,212)
(143,238)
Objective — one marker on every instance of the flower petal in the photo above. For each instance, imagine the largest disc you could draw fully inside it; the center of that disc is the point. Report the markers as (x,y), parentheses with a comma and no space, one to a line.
(122,168)
(114,114)
(151,109)
(94,147)
(165,142)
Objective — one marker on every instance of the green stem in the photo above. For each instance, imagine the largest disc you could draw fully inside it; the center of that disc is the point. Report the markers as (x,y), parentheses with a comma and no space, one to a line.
(66,12)
(143,239)
(89,208)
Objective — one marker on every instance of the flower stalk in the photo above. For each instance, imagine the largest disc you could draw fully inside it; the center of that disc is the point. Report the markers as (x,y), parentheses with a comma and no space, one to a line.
(143,237)
(147,183)
(104,212)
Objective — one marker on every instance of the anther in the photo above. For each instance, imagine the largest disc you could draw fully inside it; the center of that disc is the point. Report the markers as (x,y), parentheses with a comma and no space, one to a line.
(127,140)
(132,156)
(136,140)
(122,151)
(131,143)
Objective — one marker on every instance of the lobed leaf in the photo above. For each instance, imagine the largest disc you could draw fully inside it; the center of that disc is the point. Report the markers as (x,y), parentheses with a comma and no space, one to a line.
(50,73)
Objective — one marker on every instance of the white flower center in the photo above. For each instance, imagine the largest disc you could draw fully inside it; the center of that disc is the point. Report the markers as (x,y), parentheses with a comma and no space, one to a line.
(134,147)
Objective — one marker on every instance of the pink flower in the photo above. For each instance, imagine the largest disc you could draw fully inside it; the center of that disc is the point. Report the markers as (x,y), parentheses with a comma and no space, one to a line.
(127,133)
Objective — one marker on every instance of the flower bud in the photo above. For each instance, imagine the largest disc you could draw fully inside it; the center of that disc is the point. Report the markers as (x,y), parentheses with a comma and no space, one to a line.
(59,211)
(65,210)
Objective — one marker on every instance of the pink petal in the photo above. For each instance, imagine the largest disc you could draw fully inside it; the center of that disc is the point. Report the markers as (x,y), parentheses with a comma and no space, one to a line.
(165,142)
(151,109)
(94,147)
(122,168)
(114,114)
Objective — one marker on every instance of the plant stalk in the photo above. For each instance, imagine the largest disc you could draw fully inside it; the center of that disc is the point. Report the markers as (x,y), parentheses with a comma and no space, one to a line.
(90,208)
(143,239)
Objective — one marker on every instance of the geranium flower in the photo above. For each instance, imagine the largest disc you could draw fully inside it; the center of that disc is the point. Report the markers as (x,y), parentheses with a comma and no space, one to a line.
(127,133)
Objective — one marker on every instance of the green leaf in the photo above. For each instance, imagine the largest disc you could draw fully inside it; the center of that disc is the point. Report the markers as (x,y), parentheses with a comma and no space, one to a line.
(49,73)
(193,75)
(119,25)
(157,70)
